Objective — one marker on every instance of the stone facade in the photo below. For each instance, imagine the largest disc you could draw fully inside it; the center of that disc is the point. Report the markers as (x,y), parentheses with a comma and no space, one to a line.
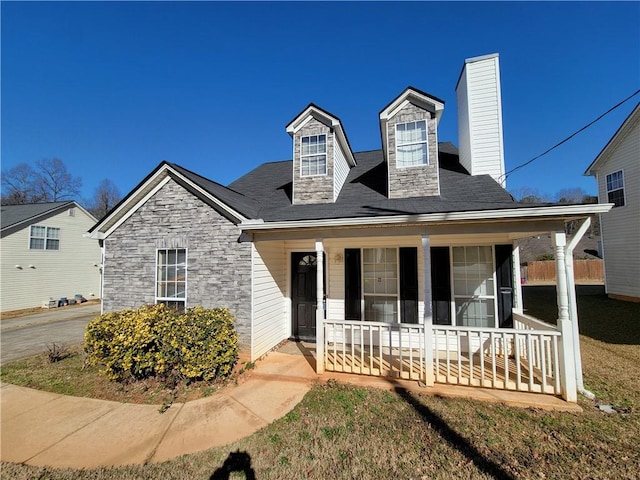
(419,180)
(317,188)
(218,267)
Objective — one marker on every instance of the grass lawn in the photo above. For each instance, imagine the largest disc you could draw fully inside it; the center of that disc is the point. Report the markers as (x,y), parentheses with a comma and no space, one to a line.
(340,431)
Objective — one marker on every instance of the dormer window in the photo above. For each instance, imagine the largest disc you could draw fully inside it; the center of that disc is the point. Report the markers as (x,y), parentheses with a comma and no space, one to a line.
(314,155)
(411,144)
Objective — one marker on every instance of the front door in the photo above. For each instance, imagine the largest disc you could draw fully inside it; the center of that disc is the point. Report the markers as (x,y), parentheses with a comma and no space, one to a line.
(303,295)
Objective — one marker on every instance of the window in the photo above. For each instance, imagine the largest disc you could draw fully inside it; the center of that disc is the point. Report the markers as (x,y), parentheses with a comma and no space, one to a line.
(474,286)
(411,144)
(380,275)
(44,238)
(615,188)
(314,155)
(172,278)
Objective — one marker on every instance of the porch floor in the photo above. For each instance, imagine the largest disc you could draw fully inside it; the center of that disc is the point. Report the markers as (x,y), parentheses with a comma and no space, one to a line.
(508,397)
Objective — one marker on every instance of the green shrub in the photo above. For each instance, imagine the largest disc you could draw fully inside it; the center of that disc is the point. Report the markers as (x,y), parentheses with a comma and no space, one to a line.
(156,341)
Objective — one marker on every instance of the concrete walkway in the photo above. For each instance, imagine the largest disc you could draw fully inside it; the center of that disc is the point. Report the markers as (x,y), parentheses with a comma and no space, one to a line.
(46,429)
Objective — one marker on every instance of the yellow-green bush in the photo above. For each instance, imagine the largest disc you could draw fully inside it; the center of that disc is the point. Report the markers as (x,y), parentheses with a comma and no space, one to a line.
(157,341)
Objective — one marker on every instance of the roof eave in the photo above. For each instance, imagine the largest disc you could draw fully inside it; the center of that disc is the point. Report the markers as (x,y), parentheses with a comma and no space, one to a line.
(556,211)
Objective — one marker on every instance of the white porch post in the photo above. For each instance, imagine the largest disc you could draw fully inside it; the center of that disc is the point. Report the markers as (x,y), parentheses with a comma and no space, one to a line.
(573,304)
(319,306)
(567,360)
(428,313)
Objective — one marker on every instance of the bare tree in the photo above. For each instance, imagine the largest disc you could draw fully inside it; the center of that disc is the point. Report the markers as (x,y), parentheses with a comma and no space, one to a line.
(17,185)
(572,195)
(105,197)
(54,183)
(529,195)
(50,182)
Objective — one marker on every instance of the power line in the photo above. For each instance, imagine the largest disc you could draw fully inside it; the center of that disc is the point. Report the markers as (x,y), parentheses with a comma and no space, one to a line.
(522,165)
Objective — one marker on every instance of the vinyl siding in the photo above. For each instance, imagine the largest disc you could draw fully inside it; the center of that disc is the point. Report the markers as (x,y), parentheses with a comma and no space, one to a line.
(621,225)
(73,269)
(270,321)
(480,119)
(341,171)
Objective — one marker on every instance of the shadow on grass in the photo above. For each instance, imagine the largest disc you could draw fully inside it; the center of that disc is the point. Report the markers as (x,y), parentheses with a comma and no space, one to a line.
(236,462)
(600,317)
(457,441)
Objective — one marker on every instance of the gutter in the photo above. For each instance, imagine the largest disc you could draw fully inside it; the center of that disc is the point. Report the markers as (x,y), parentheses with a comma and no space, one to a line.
(573,306)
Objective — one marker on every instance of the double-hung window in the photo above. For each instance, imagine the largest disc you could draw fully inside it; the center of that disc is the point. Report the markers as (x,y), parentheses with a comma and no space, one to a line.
(44,238)
(314,155)
(411,144)
(171,278)
(474,286)
(380,275)
(615,188)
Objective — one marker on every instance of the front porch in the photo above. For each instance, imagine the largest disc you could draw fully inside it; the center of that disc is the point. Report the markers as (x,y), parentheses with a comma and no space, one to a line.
(437,309)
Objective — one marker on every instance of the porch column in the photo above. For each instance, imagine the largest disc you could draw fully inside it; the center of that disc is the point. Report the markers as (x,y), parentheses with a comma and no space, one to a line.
(573,304)
(428,313)
(319,306)
(567,360)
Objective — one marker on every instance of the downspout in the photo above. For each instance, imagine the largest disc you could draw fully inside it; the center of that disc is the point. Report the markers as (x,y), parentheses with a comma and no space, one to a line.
(573,305)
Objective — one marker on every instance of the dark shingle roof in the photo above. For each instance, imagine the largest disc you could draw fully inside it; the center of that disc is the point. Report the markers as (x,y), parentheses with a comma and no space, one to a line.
(238,201)
(364,192)
(11,215)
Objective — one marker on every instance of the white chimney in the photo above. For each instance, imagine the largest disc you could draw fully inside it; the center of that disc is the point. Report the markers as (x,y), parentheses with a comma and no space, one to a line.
(480,117)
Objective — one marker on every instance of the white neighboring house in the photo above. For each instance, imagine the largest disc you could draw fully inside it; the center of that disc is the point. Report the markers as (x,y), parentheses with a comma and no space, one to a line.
(617,171)
(44,255)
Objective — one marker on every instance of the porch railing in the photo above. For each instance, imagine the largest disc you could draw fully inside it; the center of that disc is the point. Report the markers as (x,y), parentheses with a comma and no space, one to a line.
(372,348)
(525,358)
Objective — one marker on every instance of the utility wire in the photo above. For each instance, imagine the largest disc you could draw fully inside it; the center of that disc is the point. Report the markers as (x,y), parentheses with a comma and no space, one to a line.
(570,136)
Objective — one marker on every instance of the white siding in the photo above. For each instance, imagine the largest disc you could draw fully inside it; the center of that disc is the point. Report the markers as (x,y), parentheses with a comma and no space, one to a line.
(270,323)
(621,225)
(480,118)
(340,170)
(73,269)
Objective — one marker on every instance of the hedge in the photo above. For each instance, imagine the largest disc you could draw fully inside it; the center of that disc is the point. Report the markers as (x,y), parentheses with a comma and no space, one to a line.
(156,341)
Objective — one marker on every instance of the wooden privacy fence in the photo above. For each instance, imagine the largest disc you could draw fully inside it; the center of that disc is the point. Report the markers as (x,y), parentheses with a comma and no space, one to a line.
(585,271)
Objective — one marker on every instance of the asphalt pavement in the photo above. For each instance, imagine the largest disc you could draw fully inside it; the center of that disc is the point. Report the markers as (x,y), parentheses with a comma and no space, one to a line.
(28,335)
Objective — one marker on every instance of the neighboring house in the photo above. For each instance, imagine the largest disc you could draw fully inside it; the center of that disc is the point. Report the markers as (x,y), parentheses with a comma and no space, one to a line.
(45,256)
(617,171)
(397,262)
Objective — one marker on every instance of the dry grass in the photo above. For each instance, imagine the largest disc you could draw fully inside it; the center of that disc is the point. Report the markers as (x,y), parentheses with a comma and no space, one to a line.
(341,431)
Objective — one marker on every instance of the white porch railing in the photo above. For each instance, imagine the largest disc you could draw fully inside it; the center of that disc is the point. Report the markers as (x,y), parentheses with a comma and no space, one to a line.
(524,359)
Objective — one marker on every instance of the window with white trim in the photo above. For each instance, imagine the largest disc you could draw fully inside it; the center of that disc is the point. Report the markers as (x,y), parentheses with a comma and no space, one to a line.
(615,188)
(474,286)
(411,144)
(171,278)
(380,285)
(313,155)
(44,238)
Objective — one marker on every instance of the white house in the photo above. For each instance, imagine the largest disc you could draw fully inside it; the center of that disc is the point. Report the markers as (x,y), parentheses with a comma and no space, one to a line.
(45,256)
(617,171)
(396,262)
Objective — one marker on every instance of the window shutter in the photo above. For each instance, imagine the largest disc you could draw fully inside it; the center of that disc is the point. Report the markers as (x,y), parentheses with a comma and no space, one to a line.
(409,285)
(504,275)
(441,285)
(352,284)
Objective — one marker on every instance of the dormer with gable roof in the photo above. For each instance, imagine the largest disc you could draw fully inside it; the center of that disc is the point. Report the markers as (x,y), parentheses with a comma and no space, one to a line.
(409,129)
(322,156)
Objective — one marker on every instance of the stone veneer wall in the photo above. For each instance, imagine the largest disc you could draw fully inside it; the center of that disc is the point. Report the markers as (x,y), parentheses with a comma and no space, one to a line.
(415,181)
(218,267)
(312,189)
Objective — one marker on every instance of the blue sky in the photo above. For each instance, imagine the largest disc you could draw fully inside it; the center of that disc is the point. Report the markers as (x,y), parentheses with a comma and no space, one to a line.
(115,88)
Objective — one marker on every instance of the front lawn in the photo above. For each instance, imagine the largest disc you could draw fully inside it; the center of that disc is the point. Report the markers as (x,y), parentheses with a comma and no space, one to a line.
(341,431)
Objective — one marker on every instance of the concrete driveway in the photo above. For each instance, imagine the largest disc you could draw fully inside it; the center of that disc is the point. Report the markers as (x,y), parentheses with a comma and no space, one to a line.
(30,334)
